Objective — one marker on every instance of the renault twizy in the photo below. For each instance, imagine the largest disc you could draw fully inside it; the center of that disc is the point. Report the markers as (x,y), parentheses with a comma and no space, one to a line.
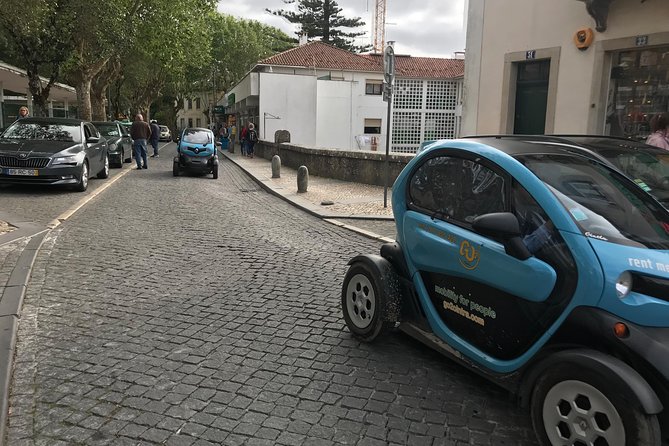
(543,270)
(196,152)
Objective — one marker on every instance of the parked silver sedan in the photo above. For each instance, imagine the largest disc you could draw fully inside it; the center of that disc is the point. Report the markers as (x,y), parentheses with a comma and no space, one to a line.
(52,151)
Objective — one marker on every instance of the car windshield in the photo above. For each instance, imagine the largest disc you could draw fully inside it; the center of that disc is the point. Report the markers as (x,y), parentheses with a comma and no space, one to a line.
(197,137)
(649,170)
(604,204)
(45,131)
(163,128)
(107,129)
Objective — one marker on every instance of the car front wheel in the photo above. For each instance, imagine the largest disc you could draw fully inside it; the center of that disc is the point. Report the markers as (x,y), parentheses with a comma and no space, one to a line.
(175,169)
(572,406)
(104,173)
(82,185)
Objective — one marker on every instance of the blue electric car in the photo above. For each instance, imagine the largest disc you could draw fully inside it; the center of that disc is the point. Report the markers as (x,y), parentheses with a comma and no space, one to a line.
(196,152)
(540,268)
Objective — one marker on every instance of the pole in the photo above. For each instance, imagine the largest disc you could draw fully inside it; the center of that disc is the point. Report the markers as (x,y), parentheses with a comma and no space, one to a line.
(387,162)
(389,80)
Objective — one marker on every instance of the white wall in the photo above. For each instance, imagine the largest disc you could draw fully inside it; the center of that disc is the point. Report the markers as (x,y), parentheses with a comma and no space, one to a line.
(293,100)
(334,114)
(506,27)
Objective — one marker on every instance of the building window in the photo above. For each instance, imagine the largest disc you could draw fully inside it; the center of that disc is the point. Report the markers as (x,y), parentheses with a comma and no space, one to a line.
(182,123)
(190,104)
(190,122)
(374,87)
(198,122)
(372,126)
(638,91)
(197,103)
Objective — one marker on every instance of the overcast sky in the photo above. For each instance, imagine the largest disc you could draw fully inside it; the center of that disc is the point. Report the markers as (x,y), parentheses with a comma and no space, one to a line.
(433,28)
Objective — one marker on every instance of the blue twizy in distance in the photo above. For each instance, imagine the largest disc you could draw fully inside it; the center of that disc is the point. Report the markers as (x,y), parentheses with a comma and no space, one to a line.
(544,270)
(196,152)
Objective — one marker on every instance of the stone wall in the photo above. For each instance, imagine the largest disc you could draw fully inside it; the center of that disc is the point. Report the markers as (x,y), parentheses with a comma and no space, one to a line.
(355,166)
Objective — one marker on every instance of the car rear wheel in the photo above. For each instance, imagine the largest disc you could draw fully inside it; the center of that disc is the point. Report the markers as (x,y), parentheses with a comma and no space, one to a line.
(104,173)
(369,300)
(583,407)
(82,185)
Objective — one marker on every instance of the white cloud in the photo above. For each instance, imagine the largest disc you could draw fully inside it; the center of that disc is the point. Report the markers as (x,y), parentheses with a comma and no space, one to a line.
(433,29)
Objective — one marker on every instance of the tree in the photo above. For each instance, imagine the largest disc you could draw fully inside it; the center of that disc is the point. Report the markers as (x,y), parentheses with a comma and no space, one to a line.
(322,18)
(237,45)
(41,43)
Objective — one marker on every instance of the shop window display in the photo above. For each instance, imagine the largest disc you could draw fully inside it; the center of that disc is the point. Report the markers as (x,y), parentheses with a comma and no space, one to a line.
(639,89)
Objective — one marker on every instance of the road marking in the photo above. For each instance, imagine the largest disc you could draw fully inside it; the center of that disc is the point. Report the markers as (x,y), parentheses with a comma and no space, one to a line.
(81,203)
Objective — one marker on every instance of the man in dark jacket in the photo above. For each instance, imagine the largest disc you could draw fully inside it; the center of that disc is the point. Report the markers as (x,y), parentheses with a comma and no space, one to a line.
(140,132)
(155,135)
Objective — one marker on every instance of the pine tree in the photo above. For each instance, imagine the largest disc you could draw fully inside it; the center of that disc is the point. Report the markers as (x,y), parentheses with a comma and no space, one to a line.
(322,18)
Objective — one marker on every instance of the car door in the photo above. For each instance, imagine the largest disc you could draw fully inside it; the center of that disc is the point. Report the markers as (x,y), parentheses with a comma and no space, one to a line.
(125,140)
(498,304)
(95,150)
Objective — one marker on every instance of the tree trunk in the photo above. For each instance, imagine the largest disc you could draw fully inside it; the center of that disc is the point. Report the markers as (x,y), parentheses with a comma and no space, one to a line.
(98,104)
(40,95)
(84,96)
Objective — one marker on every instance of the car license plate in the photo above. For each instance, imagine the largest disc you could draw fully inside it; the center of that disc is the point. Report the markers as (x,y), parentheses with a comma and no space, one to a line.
(22,172)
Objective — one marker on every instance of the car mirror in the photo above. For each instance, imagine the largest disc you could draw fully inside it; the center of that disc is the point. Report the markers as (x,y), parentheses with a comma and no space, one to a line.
(93,140)
(503,226)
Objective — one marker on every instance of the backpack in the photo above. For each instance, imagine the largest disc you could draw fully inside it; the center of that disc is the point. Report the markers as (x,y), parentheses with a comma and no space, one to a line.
(253,136)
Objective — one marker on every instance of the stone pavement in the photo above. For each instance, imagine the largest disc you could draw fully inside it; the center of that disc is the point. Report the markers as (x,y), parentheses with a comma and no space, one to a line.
(356,206)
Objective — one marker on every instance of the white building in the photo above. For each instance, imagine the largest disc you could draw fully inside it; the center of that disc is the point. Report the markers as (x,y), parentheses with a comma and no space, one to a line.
(327,97)
(14,93)
(547,66)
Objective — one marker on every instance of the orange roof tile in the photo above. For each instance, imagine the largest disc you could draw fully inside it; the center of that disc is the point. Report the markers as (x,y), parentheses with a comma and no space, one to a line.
(317,54)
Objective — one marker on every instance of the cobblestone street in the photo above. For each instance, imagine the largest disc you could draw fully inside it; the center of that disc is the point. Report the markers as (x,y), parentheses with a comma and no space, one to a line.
(192,311)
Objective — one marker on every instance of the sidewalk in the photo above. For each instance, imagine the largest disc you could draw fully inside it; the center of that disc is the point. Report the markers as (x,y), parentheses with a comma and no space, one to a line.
(350,200)
(355,206)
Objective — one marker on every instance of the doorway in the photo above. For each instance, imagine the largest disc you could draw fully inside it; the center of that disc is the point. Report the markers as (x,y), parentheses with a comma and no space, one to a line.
(531,97)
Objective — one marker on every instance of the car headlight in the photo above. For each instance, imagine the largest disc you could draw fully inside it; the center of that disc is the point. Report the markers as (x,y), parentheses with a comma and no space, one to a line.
(624,284)
(112,147)
(71,160)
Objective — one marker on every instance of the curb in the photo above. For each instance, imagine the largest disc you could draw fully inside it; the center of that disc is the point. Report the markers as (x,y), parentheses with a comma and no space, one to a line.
(311,209)
(10,306)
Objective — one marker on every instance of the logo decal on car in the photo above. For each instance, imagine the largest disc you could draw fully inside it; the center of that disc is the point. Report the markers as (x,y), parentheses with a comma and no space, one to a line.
(469,255)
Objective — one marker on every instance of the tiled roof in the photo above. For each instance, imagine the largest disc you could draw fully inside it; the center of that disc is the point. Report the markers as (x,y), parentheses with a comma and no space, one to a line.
(424,67)
(317,54)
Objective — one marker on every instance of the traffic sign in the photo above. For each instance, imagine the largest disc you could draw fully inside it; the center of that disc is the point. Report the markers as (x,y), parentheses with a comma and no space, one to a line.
(389,64)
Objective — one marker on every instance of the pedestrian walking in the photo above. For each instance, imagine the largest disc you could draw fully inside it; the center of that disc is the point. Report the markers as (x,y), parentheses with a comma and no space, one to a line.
(252,138)
(242,139)
(140,132)
(155,136)
(23,113)
(659,126)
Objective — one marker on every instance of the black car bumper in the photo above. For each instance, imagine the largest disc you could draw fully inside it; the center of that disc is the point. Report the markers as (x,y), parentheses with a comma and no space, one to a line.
(197,163)
(47,175)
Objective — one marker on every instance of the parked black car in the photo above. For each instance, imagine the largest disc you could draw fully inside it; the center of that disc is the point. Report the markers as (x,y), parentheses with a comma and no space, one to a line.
(52,151)
(118,140)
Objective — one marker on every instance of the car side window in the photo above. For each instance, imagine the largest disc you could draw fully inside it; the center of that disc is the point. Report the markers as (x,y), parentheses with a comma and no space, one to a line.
(457,189)
(87,131)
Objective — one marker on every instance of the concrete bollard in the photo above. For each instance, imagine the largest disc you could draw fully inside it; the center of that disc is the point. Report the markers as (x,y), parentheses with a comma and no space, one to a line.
(276,166)
(302,179)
